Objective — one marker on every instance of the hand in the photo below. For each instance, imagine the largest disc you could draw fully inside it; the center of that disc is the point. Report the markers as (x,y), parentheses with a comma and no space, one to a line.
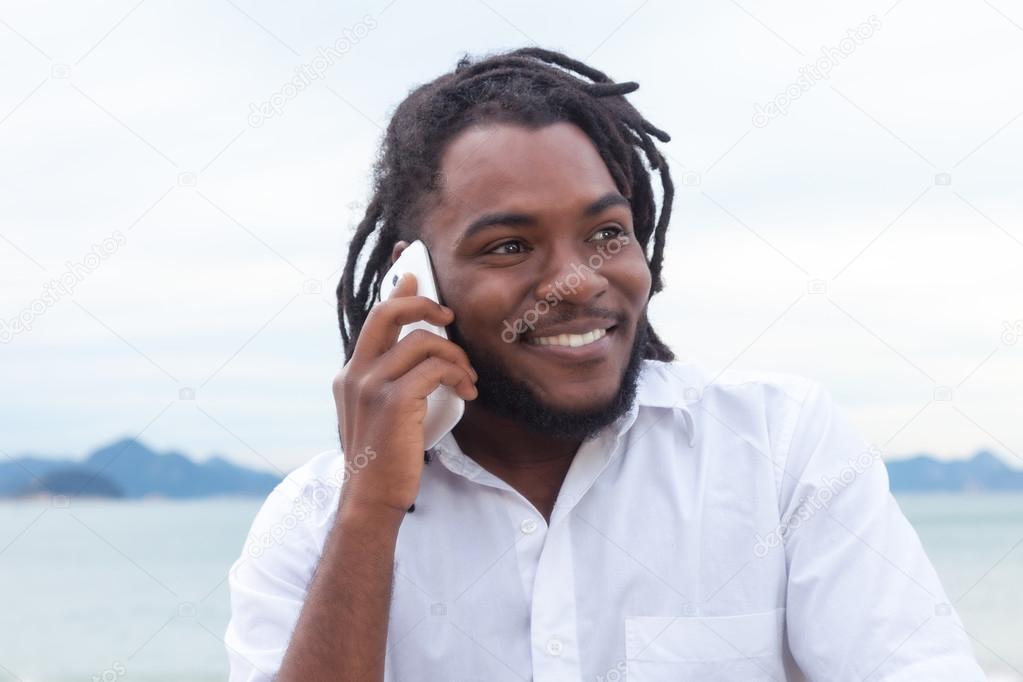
(381,394)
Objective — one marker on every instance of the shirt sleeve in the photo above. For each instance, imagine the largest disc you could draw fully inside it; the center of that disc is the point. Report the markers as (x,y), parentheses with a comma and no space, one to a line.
(269,580)
(863,600)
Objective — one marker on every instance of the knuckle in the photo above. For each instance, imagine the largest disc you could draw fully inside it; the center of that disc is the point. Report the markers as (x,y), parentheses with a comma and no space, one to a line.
(382,311)
(435,366)
(346,382)
(420,336)
(365,387)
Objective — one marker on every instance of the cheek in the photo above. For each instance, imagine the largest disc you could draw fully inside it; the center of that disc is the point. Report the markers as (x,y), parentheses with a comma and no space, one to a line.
(480,305)
(630,274)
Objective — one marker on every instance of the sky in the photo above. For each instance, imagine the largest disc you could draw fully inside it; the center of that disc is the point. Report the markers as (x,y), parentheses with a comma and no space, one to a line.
(847,205)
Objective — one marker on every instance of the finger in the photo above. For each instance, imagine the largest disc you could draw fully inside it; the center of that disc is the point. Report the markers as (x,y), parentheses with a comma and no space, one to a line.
(405,286)
(418,346)
(385,320)
(424,378)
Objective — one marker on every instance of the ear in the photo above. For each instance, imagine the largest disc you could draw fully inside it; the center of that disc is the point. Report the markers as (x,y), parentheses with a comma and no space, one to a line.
(398,248)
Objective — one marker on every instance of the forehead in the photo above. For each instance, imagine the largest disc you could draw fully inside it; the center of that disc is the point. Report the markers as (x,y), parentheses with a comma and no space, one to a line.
(550,171)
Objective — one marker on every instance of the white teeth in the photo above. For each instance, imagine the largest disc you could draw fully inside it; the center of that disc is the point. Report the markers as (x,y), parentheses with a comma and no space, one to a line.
(572,340)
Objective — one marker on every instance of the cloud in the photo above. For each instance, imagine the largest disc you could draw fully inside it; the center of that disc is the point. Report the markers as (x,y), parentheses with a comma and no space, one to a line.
(227,225)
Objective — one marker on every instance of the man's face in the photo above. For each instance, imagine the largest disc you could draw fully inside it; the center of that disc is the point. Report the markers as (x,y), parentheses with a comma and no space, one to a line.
(562,264)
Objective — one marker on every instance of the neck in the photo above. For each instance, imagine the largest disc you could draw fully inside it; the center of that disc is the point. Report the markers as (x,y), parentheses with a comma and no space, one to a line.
(483,435)
(533,463)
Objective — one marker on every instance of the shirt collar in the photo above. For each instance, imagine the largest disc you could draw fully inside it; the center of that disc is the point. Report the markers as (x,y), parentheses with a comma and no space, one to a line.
(669,385)
(661,385)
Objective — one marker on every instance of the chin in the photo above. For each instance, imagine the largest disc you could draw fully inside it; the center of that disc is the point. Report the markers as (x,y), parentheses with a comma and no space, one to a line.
(569,397)
(581,395)
(580,406)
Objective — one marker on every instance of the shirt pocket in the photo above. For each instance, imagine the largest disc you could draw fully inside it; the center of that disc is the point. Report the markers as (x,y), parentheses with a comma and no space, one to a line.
(742,647)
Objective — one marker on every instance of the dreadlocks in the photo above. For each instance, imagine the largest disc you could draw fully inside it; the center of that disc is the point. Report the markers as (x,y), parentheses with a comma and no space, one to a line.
(525,87)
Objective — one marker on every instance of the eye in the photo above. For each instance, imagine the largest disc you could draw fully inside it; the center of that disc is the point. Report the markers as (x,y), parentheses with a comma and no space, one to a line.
(502,245)
(616,231)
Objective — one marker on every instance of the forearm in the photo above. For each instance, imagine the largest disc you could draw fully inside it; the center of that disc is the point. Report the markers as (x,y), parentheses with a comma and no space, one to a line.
(341,633)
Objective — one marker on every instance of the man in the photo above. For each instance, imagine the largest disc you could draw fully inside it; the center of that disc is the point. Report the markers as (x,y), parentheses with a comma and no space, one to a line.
(601,511)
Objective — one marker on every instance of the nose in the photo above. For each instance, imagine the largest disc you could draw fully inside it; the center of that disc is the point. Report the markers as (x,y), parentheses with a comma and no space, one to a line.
(569,276)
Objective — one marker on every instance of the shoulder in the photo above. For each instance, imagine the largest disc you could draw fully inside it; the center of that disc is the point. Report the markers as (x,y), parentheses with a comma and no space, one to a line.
(324,471)
(326,467)
(306,498)
(762,407)
(683,382)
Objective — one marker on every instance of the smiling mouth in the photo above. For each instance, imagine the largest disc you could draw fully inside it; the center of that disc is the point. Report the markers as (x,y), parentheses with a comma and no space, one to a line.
(570,340)
(588,347)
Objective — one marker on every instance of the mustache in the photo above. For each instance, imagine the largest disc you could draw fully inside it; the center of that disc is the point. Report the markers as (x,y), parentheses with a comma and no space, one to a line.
(563,314)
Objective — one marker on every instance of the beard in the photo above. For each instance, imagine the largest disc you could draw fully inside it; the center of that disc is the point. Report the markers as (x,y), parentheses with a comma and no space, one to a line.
(505,396)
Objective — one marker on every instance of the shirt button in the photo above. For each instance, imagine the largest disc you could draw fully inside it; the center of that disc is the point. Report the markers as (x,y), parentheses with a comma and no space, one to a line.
(528,526)
(555,646)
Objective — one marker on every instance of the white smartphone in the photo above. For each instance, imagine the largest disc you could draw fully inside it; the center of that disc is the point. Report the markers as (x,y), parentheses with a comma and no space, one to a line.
(443,407)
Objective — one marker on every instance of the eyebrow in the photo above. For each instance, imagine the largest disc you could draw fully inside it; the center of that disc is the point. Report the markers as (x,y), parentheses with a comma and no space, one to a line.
(489,220)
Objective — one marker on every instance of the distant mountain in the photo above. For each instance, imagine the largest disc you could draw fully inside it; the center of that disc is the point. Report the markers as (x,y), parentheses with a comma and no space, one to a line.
(73,480)
(127,468)
(983,472)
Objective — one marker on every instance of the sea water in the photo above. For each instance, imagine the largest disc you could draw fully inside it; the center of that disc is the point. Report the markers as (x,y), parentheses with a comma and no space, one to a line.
(137,590)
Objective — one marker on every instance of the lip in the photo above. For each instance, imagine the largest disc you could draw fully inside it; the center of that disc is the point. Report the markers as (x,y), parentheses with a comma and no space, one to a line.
(574,327)
(592,351)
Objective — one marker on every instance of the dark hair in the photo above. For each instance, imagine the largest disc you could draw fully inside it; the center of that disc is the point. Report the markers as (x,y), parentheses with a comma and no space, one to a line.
(525,87)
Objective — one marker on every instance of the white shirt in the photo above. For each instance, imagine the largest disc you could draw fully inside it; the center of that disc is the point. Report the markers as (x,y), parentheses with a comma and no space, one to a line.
(734,529)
